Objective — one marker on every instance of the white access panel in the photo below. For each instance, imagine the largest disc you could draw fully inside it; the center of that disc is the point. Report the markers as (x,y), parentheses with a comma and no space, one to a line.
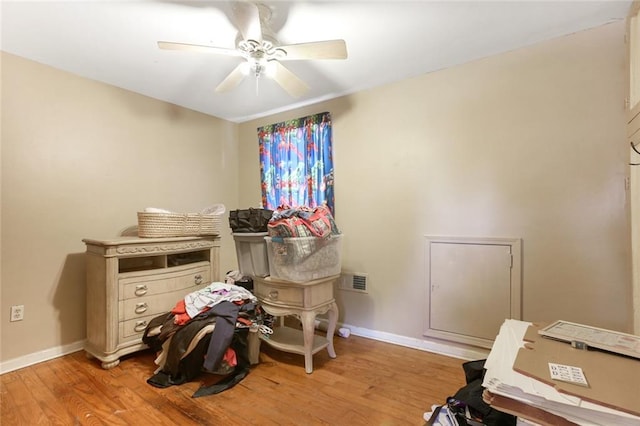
(473,286)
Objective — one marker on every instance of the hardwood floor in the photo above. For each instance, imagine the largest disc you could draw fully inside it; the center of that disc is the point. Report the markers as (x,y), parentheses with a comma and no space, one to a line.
(369,383)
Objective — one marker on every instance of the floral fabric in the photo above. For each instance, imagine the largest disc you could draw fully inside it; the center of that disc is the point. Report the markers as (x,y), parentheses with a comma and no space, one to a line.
(296,163)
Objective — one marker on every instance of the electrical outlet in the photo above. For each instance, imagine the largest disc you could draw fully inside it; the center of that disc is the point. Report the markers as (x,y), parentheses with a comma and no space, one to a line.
(17,312)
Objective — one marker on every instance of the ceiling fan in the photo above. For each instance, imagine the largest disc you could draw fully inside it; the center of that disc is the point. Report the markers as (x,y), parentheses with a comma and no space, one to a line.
(262,52)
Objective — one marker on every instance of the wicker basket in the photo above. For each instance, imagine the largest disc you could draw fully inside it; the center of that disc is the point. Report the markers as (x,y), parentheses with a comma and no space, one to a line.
(155,225)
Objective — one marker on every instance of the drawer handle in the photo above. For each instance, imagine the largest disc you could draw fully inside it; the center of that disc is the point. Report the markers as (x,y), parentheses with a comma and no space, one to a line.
(141,307)
(140,326)
(273,294)
(198,279)
(141,290)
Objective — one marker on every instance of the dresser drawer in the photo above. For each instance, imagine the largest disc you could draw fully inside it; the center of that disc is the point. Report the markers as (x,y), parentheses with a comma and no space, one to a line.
(306,295)
(135,314)
(276,294)
(137,286)
(134,328)
(151,305)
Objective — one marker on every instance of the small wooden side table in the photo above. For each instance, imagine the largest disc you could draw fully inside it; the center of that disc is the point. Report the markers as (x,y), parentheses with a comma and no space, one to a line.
(304,300)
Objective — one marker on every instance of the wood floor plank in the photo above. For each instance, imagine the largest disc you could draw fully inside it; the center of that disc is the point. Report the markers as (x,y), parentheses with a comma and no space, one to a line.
(26,407)
(55,413)
(369,383)
(120,405)
(10,413)
(61,382)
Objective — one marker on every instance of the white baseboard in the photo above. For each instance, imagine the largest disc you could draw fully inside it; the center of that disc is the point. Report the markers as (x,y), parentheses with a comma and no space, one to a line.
(37,357)
(455,350)
(452,350)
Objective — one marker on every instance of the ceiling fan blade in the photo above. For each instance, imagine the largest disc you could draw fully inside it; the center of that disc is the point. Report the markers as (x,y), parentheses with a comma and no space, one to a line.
(329,49)
(247,16)
(232,80)
(169,45)
(288,80)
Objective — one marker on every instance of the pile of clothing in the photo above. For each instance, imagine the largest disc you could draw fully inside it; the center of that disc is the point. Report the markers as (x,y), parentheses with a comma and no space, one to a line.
(207,331)
(288,222)
(304,243)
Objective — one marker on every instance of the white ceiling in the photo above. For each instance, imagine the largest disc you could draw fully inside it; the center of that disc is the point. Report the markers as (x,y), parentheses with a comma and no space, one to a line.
(115,42)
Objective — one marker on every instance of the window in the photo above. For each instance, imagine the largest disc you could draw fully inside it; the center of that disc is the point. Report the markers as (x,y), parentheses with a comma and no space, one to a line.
(296,163)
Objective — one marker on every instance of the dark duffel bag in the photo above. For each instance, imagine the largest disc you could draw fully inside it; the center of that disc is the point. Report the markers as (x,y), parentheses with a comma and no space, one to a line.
(249,220)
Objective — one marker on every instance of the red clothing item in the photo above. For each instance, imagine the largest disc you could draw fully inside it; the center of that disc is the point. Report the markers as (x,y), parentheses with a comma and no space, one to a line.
(230,357)
(180,313)
(181,317)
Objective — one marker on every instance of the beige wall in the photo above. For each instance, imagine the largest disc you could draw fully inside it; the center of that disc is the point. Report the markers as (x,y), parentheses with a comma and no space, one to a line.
(79,159)
(528,144)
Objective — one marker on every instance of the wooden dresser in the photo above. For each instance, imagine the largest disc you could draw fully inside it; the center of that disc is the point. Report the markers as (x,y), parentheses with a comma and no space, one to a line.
(131,280)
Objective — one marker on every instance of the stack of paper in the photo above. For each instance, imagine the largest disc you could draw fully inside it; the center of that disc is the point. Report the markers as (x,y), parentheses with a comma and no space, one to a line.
(501,379)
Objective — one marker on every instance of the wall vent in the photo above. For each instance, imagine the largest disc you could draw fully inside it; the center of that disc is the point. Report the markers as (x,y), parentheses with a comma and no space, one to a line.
(355,281)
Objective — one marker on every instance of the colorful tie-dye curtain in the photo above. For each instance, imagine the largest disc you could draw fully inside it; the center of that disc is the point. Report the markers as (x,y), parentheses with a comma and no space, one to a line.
(296,163)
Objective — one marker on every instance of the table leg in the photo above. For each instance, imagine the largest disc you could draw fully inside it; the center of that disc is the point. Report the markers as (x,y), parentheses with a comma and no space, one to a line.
(331,328)
(308,319)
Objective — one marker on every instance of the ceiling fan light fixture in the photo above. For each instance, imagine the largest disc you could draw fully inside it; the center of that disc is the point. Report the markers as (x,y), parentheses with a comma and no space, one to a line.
(261,67)
(258,69)
(245,68)
(262,53)
(270,69)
